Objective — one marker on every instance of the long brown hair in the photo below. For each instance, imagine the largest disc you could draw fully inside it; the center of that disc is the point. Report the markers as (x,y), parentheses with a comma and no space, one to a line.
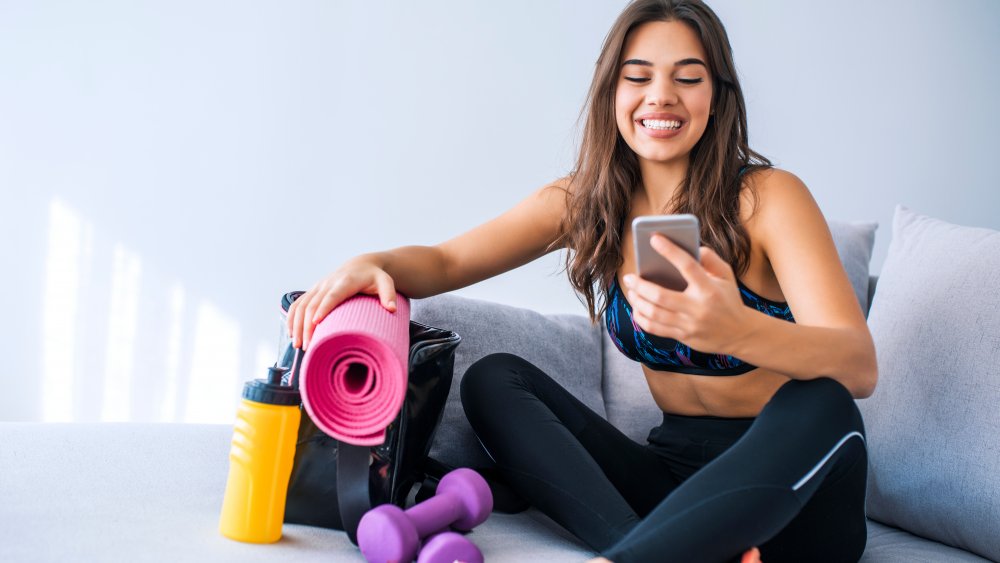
(607,170)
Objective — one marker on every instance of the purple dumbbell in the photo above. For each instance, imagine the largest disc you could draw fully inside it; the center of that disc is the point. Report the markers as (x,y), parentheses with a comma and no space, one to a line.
(449,547)
(387,533)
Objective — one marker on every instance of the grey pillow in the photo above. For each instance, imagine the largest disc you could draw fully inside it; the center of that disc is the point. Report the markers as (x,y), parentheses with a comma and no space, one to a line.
(626,394)
(854,241)
(566,347)
(934,420)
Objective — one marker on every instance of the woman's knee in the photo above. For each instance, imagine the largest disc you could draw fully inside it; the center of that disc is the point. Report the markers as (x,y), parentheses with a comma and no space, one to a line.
(488,368)
(825,399)
(487,376)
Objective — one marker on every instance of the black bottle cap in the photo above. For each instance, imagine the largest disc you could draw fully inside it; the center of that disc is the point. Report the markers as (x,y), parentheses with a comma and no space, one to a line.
(271,391)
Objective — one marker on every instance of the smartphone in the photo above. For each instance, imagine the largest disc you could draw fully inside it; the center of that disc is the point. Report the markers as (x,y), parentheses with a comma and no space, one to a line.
(682,229)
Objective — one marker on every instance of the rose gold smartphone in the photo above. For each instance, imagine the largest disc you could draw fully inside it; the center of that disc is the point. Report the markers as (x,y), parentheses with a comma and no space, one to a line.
(682,229)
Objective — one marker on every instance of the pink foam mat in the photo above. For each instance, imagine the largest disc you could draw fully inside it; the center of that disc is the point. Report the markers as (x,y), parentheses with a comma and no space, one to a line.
(354,374)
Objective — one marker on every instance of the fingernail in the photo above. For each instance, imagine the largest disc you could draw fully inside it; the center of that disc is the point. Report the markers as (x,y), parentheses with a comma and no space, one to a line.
(629,279)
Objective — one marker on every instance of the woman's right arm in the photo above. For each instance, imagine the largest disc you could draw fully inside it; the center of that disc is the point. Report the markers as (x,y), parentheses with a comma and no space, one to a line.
(518,236)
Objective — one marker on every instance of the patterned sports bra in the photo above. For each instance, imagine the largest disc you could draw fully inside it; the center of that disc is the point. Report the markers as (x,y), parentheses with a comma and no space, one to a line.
(667,354)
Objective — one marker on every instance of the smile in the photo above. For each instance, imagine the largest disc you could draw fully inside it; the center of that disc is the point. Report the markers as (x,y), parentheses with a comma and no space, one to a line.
(660,128)
(660,125)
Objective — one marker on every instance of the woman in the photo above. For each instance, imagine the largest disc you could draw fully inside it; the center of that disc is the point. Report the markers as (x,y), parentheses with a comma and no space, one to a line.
(754,364)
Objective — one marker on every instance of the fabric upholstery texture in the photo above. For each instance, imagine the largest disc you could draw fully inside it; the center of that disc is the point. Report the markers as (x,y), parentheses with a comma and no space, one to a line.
(153,493)
(934,420)
(892,545)
(564,346)
(854,241)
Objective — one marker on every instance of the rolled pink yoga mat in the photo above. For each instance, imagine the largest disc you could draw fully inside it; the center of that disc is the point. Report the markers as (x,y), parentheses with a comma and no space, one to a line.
(354,374)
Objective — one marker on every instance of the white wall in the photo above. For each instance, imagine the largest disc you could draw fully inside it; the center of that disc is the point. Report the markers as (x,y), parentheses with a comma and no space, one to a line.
(168,169)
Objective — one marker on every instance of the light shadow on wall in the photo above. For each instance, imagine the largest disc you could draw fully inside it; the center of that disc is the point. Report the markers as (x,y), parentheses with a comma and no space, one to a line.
(120,352)
(159,360)
(59,305)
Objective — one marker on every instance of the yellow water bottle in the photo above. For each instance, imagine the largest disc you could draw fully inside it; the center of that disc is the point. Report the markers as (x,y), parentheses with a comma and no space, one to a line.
(260,460)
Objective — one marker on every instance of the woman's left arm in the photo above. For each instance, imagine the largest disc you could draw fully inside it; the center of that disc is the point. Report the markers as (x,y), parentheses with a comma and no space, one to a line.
(830,336)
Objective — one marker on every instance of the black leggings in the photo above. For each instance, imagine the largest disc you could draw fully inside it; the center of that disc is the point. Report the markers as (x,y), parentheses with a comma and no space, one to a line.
(791,481)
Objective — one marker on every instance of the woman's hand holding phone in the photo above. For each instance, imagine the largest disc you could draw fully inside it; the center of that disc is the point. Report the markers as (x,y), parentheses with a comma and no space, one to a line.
(707,315)
(357,275)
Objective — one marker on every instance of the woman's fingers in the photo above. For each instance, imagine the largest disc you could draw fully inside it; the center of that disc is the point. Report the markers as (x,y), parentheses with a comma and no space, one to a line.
(387,292)
(660,314)
(312,316)
(314,305)
(663,329)
(684,262)
(332,295)
(297,313)
(715,265)
(638,290)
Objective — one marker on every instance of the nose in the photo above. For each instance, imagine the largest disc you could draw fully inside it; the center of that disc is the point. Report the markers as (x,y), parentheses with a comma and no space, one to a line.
(661,93)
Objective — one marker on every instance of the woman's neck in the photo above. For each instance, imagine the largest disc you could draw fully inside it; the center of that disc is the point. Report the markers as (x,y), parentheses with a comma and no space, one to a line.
(660,181)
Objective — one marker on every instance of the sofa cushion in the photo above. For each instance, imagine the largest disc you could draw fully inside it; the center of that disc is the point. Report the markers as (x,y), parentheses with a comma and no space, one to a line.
(566,347)
(933,422)
(854,241)
(629,403)
(153,492)
(892,545)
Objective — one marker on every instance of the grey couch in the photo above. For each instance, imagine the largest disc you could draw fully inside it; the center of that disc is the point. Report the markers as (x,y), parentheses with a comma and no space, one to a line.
(140,492)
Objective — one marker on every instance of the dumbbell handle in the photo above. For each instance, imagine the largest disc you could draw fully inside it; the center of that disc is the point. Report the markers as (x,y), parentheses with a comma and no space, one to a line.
(434,514)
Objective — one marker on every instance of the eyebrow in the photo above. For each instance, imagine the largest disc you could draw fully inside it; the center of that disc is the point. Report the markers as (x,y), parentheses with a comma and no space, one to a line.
(682,62)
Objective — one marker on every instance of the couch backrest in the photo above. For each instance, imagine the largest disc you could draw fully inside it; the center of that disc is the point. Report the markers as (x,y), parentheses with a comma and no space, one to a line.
(566,347)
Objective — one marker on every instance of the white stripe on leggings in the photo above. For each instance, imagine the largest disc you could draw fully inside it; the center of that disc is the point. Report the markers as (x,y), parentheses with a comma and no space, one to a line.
(819,465)
(485,449)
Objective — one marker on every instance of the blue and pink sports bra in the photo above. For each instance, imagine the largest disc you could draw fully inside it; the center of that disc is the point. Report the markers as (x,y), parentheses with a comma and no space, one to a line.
(666,354)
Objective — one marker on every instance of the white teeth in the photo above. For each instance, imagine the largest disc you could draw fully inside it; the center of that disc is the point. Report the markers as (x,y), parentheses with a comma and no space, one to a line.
(660,124)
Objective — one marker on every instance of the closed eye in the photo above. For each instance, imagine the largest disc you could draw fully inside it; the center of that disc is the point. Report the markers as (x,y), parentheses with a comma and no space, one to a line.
(681,80)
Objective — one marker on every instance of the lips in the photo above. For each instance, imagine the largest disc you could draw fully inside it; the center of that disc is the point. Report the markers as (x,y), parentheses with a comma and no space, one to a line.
(660,125)
(660,115)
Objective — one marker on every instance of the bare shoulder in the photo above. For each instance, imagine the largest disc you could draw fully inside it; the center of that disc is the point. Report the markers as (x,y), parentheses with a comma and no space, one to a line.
(775,205)
(562,184)
(794,237)
(558,191)
(769,191)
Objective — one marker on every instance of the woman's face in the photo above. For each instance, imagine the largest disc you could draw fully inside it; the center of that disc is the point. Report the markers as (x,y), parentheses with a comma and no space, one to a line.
(663,94)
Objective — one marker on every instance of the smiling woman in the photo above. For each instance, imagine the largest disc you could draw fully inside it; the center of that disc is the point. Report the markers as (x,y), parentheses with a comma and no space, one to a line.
(757,359)
(684,86)
(781,462)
